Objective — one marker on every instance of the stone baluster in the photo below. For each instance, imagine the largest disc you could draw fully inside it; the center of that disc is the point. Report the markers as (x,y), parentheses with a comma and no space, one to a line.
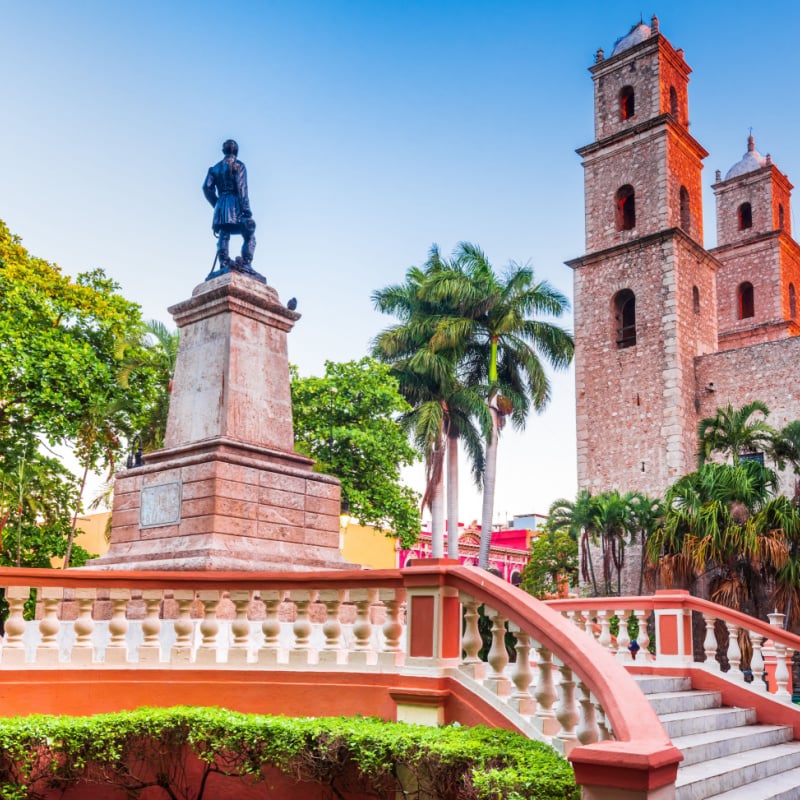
(545,694)
(782,673)
(333,651)
(521,699)
(710,643)
(47,651)
(498,656)
(604,639)
(82,650)
(587,731)
(392,653)
(184,627)
(239,650)
(642,638)
(623,638)
(362,653)
(209,627)
(301,652)
(150,648)
(606,733)
(734,652)
(271,652)
(471,641)
(757,660)
(117,650)
(13,653)
(566,711)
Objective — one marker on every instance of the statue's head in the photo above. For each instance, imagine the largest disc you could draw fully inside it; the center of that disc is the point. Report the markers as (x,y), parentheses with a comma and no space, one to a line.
(230,148)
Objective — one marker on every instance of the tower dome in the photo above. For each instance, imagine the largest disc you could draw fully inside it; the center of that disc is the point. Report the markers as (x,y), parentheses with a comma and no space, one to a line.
(751,161)
(637,34)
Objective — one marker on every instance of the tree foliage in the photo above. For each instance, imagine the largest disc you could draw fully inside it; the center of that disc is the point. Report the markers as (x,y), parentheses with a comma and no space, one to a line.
(63,344)
(348,422)
(553,562)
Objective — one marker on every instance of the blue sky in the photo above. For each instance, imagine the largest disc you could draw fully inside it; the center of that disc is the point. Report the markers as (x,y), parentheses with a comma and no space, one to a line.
(370,130)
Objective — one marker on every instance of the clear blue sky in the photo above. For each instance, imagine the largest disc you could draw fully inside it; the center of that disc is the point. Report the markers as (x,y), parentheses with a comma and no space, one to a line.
(370,130)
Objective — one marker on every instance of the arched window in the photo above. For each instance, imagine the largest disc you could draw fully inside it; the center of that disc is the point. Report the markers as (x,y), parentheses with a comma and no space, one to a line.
(792,302)
(745,216)
(685,212)
(625,208)
(696,299)
(747,306)
(673,102)
(627,103)
(780,217)
(625,318)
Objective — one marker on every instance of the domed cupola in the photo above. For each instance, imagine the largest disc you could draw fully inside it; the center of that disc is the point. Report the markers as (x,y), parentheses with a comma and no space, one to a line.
(638,33)
(751,161)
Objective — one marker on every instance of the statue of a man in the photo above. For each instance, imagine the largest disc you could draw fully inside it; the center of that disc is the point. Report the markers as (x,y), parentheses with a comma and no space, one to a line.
(225,188)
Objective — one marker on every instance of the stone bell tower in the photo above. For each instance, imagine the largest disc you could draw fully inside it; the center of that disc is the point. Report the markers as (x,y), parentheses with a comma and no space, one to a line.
(645,298)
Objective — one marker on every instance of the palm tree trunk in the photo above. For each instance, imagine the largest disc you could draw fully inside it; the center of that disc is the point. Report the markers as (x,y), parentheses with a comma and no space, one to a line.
(489,479)
(437,517)
(452,497)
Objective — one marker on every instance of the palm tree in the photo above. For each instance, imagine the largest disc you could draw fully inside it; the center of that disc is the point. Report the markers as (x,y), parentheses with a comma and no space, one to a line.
(723,531)
(578,519)
(500,340)
(733,432)
(613,521)
(647,515)
(444,410)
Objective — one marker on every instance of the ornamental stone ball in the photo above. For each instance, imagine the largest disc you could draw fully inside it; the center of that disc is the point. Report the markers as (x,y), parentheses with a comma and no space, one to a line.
(225,188)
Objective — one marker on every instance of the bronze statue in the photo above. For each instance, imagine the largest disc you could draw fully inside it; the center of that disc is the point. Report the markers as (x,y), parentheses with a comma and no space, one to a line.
(225,188)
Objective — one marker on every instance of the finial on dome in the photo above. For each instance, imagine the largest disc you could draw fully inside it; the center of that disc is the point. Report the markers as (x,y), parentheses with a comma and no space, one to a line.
(769,160)
(718,176)
(599,55)
(654,24)
(751,142)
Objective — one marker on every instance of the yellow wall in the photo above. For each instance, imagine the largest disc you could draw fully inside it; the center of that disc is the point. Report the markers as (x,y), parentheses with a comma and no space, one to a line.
(91,535)
(368,547)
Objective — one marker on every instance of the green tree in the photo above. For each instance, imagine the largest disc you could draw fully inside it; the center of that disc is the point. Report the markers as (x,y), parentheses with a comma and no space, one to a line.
(647,516)
(501,341)
(577,518)
(59,364)
(348,422)
(553,560)
(734,431)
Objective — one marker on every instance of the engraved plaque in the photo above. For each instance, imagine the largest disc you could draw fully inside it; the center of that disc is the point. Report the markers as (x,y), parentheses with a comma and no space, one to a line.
(160,505)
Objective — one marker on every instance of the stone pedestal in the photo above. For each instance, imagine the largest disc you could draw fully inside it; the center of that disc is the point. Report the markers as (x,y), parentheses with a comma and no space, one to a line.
(228,491)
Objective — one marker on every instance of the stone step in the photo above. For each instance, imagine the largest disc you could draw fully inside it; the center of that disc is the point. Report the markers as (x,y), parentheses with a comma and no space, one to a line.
(655,684)
(675,702)
(699,747)
(685,723)
(707,779)
(783,786)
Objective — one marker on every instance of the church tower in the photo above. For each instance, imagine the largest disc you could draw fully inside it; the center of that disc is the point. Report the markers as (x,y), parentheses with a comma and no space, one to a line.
(645,291)
(759,275)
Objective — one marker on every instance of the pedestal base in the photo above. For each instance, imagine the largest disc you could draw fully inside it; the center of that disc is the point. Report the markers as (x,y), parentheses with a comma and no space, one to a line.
(224,505)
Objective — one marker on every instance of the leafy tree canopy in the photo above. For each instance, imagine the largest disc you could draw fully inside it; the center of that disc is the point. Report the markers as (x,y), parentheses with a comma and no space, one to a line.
(348,422)
(553,559)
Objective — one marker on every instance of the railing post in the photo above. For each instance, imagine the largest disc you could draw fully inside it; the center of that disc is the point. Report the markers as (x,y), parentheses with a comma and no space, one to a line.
(392,653)
(47,651)
(433,628)
(673,629)
(183,626)
(240,627)
(332,653)
(82,651)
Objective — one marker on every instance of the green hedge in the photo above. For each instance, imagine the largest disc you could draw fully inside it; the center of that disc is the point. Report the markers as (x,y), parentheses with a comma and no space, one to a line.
(149,747)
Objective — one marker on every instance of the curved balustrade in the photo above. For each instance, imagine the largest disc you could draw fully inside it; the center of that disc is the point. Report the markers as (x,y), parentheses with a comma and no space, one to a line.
(749,660)
(414,632)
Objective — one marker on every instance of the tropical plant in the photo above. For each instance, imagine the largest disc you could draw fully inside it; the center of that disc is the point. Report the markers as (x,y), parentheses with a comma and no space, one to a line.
(553,562)
(577,518)
(444,410)
(493,324)
(724,534)
(733,432)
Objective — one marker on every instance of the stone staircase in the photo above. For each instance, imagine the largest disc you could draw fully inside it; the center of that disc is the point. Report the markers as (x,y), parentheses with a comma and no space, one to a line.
(728,755)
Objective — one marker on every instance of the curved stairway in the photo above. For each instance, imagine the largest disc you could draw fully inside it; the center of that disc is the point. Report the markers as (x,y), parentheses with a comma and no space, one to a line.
(728,755)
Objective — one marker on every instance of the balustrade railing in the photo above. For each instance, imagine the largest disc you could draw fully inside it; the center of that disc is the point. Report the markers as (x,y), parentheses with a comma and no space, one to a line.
(557,675)
(691,632)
